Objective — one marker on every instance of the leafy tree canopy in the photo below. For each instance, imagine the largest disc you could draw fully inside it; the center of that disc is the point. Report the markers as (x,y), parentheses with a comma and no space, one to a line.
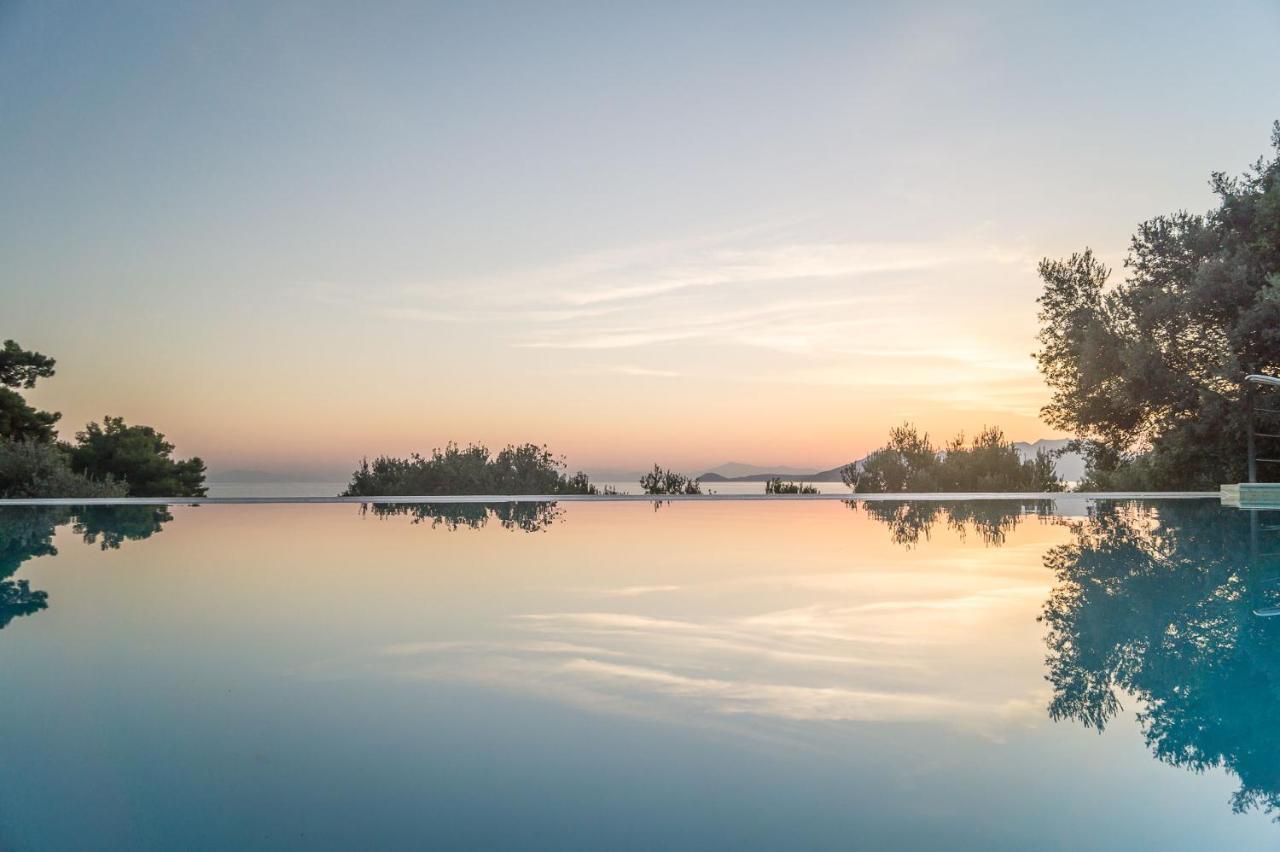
(108,460)
(20,368)
(138,456)
(19,421)
(1148,372)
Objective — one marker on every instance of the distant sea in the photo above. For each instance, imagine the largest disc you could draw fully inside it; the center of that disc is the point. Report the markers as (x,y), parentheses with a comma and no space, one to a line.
(276,489)
(332,489)
(632,486)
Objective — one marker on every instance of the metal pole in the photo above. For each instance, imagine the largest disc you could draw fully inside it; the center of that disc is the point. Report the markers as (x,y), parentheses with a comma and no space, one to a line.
(1253,453)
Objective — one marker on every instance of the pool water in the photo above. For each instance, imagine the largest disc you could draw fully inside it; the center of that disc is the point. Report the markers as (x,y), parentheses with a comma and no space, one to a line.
(825,675)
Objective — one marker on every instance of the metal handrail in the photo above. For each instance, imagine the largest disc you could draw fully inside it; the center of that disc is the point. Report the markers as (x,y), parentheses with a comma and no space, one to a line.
(1253,381)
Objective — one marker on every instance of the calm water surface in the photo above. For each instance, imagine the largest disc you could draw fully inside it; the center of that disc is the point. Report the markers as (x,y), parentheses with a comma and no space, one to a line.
(719,675)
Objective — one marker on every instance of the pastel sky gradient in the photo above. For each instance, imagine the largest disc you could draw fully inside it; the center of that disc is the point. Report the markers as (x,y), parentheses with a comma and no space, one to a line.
(292,234)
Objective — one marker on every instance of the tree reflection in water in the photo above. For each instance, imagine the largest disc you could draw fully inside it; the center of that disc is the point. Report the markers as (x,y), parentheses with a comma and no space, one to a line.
(526,517)
(1171,604)
(111,526)
(910,521)
(27,532)
(1175,603)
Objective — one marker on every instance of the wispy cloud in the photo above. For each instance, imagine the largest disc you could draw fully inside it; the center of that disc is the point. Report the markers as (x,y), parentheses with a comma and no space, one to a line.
(586,285)
(847,314)
(631,591)
(734,267)
(742,325)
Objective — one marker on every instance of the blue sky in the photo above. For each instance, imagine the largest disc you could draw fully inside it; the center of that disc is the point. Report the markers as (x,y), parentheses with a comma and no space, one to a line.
(292,234)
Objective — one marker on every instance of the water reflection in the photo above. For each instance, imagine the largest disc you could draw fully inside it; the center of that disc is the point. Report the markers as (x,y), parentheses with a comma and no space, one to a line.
(1171,606)
(27,532)
(911,521)
(849,642)
(111,526)
(24,534)
(526,517)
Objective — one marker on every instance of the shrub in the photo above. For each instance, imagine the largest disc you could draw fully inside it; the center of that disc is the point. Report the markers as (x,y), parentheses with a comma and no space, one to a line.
(32,469)
(659,481)
(910,463)
(516,469)
(777,486)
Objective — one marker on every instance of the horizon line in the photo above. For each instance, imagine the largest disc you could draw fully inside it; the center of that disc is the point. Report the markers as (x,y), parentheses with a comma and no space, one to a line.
(929,496)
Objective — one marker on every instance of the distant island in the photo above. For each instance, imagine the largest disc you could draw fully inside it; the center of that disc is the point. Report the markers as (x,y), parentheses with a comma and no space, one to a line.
(1069,466)
(832,475)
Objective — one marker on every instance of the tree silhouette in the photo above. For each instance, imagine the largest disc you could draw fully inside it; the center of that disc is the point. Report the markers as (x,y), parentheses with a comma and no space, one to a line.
(1149,371)
(20,369)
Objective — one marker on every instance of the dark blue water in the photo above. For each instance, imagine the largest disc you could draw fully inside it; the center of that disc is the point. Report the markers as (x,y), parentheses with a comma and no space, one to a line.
(739,676)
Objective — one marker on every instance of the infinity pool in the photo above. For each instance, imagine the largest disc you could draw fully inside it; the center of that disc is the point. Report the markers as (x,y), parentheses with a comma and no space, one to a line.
(960,675)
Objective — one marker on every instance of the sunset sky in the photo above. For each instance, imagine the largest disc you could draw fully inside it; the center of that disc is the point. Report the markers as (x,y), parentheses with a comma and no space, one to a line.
(288,235)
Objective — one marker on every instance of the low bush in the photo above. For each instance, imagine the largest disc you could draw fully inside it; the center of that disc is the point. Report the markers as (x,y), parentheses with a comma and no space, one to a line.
(33,469)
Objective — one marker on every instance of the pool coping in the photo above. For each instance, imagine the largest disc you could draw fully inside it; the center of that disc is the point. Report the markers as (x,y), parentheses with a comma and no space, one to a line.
(933,496)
